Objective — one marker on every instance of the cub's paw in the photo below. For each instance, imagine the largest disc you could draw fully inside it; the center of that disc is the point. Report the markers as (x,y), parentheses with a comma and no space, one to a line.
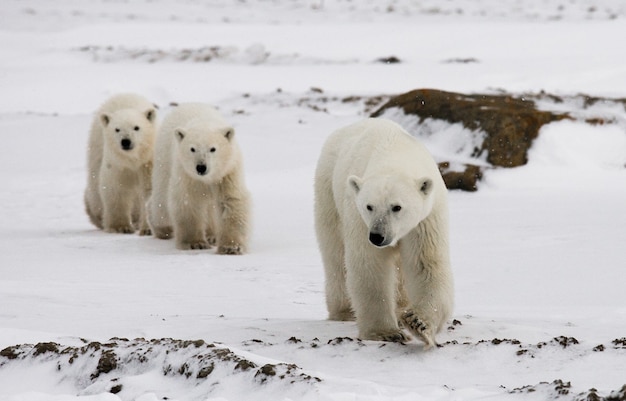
(420,328)
(120,229)
(185,246)
(163,232)
(230,250)
(145,232)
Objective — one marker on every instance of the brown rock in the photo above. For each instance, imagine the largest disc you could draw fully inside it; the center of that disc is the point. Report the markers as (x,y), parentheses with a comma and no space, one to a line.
(465,180)
(510,123)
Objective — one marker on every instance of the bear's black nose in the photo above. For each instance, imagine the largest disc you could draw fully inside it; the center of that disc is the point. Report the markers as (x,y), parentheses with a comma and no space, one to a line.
(377,239)
(201,169)
(126,144)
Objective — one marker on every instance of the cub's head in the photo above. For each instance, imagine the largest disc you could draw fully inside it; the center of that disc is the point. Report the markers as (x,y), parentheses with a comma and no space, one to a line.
(391,206)
(205,153)
(130,133)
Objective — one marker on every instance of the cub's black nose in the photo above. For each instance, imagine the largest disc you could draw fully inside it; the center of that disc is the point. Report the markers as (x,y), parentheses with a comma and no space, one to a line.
(201,169)
(377,239)
(126,144)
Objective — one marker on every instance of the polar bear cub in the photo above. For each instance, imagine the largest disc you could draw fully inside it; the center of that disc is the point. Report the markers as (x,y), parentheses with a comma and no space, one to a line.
(381,219)
(119,159)
(199,195)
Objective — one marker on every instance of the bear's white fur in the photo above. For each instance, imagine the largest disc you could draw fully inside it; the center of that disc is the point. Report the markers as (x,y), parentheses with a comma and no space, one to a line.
(381,219)
(119,159)
(199,195)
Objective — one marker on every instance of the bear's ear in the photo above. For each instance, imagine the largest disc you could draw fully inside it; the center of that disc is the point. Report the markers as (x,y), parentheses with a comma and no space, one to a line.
(150,115)
(230,134)
(355,183)
(180,134)
(105,119)
(425,185)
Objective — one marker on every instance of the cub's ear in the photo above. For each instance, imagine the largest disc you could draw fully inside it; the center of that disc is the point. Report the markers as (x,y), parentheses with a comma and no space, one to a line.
(105,119)
(180,134)
(230,133)
(355,183)
(150,115)
(425,185)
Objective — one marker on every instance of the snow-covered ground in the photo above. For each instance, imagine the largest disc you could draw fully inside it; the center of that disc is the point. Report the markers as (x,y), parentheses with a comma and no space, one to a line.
(538,252)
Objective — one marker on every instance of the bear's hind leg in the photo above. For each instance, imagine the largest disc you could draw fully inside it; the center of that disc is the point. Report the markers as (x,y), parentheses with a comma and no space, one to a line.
(337,299)
(94,212)
(331,246)
(158,218)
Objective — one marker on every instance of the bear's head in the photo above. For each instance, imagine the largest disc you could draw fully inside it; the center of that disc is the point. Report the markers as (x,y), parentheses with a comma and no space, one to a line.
(129,133)
(205,152)
(391,206)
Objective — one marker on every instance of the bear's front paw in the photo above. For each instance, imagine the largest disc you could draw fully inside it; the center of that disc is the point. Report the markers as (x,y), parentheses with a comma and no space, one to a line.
(342,315)
(145,231)
(389,336)
(229,250)
(120,229)
(185,246)
(417,326)
(163,232)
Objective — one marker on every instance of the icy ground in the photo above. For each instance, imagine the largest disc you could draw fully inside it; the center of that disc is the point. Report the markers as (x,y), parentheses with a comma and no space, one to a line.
(538,252)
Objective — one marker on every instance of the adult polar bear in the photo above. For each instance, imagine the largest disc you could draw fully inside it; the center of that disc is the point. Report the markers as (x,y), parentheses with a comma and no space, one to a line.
(381,219)
(199,194)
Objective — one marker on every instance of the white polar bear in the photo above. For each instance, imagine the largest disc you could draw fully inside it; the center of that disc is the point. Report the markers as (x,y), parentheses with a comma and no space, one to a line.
(199,195)
(119,162)
(381,219)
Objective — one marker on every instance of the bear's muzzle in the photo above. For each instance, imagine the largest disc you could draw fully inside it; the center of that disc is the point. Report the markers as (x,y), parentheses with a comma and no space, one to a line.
(378,240)
(126,144)
(201,169)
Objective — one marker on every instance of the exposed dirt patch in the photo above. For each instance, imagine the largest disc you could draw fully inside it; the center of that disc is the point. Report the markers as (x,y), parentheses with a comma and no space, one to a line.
(283,371)
(619,343)
(193,360)
(43,348)
(466,180)
(559,389)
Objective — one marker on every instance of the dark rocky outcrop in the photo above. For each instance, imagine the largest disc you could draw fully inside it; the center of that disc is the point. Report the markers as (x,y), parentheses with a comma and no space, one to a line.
(465,180)
(510,124)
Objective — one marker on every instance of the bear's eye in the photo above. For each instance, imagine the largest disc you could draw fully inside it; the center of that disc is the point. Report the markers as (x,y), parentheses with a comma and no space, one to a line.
(136,128)
(396,208)
(212,150)
(117,130)
(369,207)
(193,150)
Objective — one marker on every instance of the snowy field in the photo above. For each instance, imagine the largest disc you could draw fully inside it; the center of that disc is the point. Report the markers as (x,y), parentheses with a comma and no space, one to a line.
(538,252)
